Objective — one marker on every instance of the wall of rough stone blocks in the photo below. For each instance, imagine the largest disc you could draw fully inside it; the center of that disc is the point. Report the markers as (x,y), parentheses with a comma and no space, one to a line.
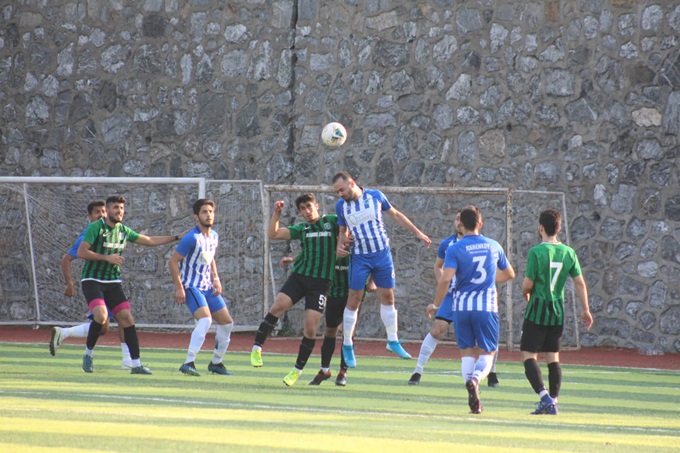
(578,96)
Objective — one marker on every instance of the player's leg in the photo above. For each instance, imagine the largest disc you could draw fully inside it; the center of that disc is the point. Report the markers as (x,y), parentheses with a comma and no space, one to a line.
(486,327)
(359,270)
(465,338)
(552,345)
(492,379)
(198,307)
(315,302)
(333,314)
(531,343)
(383,277)
(282,303)
(225,324)
(120,306)
(59,334)
(94,295)
(439,328)
(125,351)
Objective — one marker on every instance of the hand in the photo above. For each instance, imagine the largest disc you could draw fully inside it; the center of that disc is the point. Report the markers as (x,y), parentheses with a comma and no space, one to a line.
(587,319)
(68,291)
(423,237)
(285,260)
(431,310)
(180,296)
(278,206)
(217,287)
(341,252)
(114,259)
(527,296)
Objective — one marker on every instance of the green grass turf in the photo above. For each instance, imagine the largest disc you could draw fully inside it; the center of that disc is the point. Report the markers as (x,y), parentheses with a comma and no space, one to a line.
(50,403)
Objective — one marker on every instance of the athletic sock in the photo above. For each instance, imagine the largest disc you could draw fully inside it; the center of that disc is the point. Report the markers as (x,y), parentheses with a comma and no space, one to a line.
(93,334)
(534,375)
(126,352)
(306,348)
(467,367)
(388,314)
(554,379)
(222,340)
(327,350)
(79,331)
(426,349)
(266,327)
(133,342)
(197,338)
(343,364)
(495,359)
(349,321)
(482,367)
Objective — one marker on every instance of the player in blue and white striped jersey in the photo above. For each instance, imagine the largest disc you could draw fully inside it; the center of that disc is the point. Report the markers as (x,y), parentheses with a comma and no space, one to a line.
(194,273)
(477,263)
(360,217)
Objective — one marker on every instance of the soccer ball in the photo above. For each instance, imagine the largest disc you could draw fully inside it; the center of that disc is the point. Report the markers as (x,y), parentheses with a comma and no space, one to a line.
(333,134)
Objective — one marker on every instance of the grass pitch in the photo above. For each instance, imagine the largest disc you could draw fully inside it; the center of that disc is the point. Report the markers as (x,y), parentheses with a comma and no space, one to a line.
(49,403)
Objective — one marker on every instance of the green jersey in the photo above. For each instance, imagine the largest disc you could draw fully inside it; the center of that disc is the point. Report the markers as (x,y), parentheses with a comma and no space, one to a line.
(340,283)
(105,240)
(318,242)
(548,265)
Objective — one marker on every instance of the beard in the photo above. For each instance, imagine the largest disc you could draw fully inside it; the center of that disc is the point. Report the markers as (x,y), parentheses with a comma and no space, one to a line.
(206,224)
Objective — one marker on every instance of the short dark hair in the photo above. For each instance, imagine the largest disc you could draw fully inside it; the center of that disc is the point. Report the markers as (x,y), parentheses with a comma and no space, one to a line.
(470,217)
(115,199)
(551,220)
(304,198)
(202,202)
(94,204)
(342,175)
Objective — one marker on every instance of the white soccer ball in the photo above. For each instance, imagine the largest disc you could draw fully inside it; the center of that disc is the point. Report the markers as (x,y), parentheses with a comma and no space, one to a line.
(333,134)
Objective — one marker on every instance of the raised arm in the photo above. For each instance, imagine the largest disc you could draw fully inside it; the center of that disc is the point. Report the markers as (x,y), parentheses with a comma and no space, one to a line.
(405,223)
(275,232)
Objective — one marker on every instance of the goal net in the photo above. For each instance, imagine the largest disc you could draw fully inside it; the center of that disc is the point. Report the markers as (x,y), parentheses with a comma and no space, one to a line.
(42,217)
(510,217)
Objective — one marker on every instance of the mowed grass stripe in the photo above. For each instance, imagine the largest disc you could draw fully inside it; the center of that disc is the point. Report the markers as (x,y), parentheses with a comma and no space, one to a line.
(254,411)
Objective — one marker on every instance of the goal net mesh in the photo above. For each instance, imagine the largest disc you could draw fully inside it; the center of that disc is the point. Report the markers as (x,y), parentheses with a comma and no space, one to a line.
(41,221)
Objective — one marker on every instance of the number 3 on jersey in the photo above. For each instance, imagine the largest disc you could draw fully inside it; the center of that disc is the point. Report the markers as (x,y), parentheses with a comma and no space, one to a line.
(479,261)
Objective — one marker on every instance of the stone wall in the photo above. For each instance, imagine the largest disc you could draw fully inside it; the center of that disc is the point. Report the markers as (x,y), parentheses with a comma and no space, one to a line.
(578,96)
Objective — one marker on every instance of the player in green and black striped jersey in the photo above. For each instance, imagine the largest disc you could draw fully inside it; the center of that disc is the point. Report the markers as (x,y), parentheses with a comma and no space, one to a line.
(101,248)
(548,265)
(311,277)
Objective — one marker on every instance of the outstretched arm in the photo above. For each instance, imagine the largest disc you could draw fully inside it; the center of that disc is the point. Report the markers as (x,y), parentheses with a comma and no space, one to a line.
(153,241)
(405,223)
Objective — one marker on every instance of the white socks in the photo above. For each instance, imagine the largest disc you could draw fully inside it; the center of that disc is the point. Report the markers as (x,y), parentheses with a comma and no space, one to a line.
(349,322)
(126,352)
(80,331)
(222,340)
(426,349)
(467,367)
(482,367)
(388,314)
(197,338)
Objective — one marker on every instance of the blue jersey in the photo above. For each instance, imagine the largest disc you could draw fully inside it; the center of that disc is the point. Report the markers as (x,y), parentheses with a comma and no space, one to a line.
(198,251)
(441,254)
(475,259)
(363,218)
(73,251)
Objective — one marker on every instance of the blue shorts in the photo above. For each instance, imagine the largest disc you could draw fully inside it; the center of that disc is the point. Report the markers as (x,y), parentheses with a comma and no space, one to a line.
(196,299)
(445,311)
(378,265)
(476,328)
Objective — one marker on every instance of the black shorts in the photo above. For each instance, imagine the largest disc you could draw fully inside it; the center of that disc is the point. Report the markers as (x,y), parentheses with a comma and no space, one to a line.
(312,289)
(335,310)
(537,338)
(112,293)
